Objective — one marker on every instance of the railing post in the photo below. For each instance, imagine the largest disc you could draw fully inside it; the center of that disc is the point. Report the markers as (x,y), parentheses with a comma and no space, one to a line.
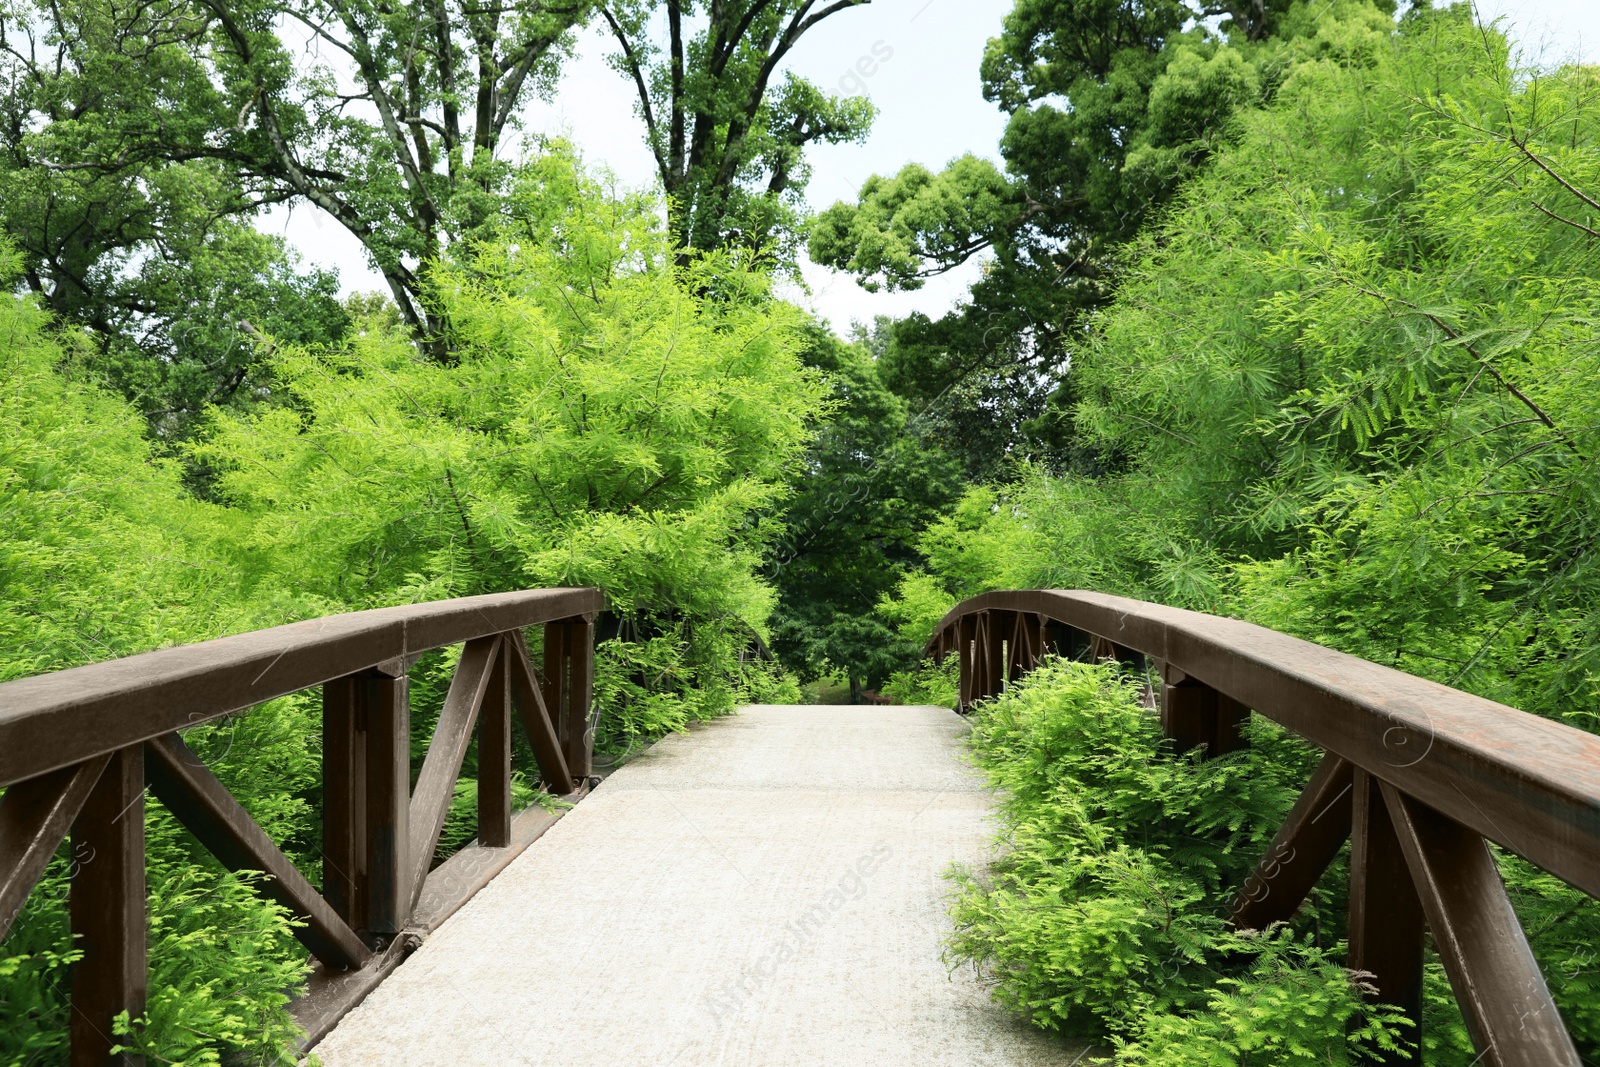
(386,707)
(966,652)
(568,685)
(580,657)
(494,754)
(994,653)
(1194,714)
(344,799)
(107,907)
(1386,920)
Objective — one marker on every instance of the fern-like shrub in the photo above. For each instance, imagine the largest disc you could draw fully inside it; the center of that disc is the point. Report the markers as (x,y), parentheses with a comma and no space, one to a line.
(1104,915)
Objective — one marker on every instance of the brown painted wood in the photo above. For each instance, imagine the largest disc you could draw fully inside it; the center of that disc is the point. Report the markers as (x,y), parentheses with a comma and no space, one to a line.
(966,648)
(107,907)
(430,801)
(187,788)
(494,755)
(553,679)
(1497,982)
(580,697)
(1386,919)
(344,799)
(35,816)
(56,720)
(1193,715)
(1530,784)
(387,862)
(1310,838)
(994,652)
(535,716)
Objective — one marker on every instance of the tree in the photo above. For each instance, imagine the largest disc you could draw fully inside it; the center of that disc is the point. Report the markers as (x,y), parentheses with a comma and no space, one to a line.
(399,138)
(872,482)
(154,255)
(728,143)
(1112,106)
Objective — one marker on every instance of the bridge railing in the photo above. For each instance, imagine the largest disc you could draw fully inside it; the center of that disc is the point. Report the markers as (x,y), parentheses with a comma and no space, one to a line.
(79,747)
(1416,776)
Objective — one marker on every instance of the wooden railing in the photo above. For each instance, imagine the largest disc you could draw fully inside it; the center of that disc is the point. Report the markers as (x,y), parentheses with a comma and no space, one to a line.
(79,747)
(1416,776)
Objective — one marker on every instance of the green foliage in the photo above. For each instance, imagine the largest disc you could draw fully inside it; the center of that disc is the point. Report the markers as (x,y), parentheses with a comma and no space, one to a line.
(728,137)
(603,422)
(871,485)
(1104,914)
(1112,106)
(80,485)
(926,683)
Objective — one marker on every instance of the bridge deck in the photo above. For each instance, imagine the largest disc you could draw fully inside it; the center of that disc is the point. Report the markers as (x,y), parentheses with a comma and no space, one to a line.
(766,890)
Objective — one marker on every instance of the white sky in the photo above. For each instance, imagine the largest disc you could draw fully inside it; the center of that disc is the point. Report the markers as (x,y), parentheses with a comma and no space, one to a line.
(931,109)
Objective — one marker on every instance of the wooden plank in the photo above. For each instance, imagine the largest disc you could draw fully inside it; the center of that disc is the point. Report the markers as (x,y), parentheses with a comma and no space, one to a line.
(494,755)
(580,697)
(187,788)
(1310,838)
(35,816)
(1497,982)
(994,653)
(1386,920)
(344,799)
(387,863)
(107,908)
(553,679)
(966,646)
(430,802)
(535,716)
(56,720)
(1193,714)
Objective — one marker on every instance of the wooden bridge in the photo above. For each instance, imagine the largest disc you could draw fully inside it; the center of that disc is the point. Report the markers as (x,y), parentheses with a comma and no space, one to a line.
(766,889)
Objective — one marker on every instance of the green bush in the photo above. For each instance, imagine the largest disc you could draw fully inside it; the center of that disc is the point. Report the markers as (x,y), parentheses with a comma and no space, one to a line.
(1104,915)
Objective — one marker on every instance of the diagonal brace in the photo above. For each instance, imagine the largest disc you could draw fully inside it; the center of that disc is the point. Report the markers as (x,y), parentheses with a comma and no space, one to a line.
(35,816)
(187,788)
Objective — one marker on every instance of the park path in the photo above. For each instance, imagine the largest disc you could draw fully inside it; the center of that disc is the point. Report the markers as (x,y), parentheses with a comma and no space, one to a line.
(766,889)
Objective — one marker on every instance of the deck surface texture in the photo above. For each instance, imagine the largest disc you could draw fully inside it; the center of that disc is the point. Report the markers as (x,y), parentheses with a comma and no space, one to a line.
(767,889)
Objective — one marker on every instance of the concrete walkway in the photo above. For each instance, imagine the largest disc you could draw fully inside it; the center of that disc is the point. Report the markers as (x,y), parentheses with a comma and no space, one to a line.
(768,889)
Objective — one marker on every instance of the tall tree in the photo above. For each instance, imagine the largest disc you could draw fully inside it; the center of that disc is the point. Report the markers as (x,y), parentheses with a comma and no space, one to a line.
(873,482)
(728,141)
(1112,106)
(391,117)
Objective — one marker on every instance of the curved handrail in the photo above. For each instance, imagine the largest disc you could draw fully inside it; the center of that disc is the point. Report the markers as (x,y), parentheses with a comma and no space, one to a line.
(55,720)
(80,748)
(1527,783)
(1416,775)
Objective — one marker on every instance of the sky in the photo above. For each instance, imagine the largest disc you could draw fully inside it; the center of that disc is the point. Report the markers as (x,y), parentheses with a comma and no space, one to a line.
(930,110)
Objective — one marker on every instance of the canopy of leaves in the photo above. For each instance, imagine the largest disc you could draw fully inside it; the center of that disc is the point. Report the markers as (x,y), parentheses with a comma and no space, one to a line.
(729,132)
(1112,107)
(870,484)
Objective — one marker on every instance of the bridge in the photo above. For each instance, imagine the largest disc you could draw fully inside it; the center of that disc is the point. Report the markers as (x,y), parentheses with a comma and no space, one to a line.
(767,888)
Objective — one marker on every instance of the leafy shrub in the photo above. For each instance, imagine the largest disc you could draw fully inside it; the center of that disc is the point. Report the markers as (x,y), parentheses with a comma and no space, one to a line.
(1105,913)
